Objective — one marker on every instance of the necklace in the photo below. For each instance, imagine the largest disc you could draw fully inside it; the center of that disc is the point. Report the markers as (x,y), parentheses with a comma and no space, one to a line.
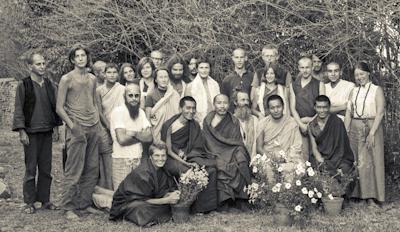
(363,107)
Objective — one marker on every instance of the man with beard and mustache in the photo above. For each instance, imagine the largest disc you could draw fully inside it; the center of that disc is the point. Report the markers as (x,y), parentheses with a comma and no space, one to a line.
(223,139)
(248,121)
(192,62)
(129,128)
(178,73)
(279,136)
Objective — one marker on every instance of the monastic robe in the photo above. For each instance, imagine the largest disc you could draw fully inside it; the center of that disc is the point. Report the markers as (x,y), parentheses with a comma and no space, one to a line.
(143,183)
(190,139)
(226,143)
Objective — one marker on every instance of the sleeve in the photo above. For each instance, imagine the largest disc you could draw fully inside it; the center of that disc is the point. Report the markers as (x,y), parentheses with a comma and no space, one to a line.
(255,82)
(19,117)
(117,119)
(225,87)
(149,102)
(145,122)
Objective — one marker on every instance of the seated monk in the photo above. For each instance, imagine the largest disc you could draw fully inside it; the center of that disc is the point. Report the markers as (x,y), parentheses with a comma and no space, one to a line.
(145,195)
(223,139)
(329,141)
(280,138)
(185,143)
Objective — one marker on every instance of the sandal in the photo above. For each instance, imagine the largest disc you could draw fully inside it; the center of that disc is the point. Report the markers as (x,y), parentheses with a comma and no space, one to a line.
(29,209)
(49,206)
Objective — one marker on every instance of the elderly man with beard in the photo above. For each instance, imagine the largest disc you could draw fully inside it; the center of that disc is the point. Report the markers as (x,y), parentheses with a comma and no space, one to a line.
(248,122)
(223,139)
(178,70)
(129,128)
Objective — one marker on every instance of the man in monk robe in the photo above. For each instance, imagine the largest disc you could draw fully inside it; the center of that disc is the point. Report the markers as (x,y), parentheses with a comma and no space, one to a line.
(185,143)
(329,141)
(223,139)
(145,195)
(279,136)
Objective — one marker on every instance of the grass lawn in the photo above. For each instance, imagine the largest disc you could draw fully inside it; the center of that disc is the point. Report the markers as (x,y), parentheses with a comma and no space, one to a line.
(356,218)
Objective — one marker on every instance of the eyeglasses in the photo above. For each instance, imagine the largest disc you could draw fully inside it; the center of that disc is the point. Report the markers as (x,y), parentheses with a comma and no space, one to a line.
(131,95)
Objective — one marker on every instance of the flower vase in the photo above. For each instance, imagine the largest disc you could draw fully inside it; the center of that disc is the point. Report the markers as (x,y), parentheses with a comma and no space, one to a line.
(282,215)
(180,214)
(333,206)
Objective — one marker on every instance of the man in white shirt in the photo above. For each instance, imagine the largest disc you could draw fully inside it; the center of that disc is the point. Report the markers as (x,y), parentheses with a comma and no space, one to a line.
(129,128)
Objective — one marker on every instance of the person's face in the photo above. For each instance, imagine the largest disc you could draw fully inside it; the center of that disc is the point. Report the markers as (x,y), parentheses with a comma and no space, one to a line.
(132,95)
(177,71)
(204,70)
(80,58)
(239,58)
(333,72)
(158,158)
(270,76)
(38,66)
(242,99)
(322,109)
(193,66)
(157,58)
(305,68)
(221,105)
(269,56)
(111,75)
(129,74)
(162,79)
(189,110)
(275,108)
(362,77)
(146,70)
(100,72)
(317,63)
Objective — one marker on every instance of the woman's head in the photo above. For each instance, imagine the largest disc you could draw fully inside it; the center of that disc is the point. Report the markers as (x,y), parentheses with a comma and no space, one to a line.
(269,75)
(161,80)
(362,73)
(127,73)
(111,73)
(145,68)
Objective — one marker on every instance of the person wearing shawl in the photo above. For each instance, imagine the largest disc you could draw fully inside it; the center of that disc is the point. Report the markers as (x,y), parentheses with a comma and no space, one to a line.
(162,103)
(109,95)
(203,89)
(145,195)
(178,72)
(329,141)
(224,140)
(280,137)
(185,142)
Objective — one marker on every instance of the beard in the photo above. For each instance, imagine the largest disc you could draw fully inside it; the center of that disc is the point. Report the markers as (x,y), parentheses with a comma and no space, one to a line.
(243,112)
(133,110)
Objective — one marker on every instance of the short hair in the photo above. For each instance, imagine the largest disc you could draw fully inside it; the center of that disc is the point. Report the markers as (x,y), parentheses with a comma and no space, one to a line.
(122,79)
(97,64)
(239,49)
(203,59)
(322,98)
(157,51)
(156,146)
(221,94)
(270,47)
(333,62)
(76,47)
(275,97)
(29,56)
(161,68)
(110,65)
(141,63)
(304,58)
(178,59)
(363,66)
(236,93)
(185,99)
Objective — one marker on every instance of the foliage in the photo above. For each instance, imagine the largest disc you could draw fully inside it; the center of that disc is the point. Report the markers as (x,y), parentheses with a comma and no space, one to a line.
(191,183)
(334,185)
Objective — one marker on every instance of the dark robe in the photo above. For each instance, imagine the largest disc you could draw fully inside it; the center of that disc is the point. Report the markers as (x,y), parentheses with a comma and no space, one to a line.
(143,183)
(226,143)
(333,144)
(190,139)
(305,97)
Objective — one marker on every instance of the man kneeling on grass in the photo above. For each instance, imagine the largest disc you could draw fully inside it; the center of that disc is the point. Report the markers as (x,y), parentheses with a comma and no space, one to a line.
(145,195)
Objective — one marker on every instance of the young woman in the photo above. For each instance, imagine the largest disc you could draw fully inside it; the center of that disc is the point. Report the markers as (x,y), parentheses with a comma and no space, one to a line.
(127,73)
(145,72)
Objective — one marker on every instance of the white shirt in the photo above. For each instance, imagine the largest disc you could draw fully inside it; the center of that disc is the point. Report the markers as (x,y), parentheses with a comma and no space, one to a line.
(120,119)
(340,94)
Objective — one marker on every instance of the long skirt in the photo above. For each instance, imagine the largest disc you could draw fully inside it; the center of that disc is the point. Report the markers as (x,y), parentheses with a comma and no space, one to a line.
(370,162)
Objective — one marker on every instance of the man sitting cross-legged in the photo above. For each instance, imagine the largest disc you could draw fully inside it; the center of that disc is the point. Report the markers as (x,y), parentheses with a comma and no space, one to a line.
(185,143)
(223,139)
(145,195)
(280,137)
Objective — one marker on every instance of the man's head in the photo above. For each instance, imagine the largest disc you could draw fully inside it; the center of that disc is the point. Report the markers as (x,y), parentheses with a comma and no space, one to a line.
(127,73)
(132,99)
(79,56)
(239,58)
(275,106)
(177,67)
(158,154)
(270,54)
(221,104)
(111,73)
(305,67)
(36,63)
(333,72)
(99,70)
(204,68)
(316,63)
(162,78)
(322,106)
(188,107)
(157,57)
(192,61)
(242,102)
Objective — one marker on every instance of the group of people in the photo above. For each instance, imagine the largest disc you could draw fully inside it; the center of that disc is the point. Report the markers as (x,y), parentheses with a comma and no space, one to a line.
(131,131)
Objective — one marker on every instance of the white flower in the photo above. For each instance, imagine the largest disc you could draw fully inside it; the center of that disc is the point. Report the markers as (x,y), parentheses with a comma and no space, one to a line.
(280,169)
(275,189)
(279,185)
(258,156)
(304,190)
(310,194)
(288,185)
(330,196)
(311,173)
(298,208)
(254,186)
(255,170)
(310,169)
(282,153)
(313,200)
(308,164)
(315,190)
(319,195)
(264,158)
(298,182)
(245,189)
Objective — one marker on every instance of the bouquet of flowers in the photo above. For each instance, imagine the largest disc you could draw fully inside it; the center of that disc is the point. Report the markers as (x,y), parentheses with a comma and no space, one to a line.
(190,184)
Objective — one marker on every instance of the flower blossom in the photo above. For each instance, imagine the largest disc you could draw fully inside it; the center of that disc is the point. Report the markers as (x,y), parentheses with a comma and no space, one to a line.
(308,164)
(311,194)
(275,189)
(298,182)
(313,200)
(330,197)
(255,170)
(264,157)
(319,195)
(280,169)
(298,208)
(288,185)
(304,190)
